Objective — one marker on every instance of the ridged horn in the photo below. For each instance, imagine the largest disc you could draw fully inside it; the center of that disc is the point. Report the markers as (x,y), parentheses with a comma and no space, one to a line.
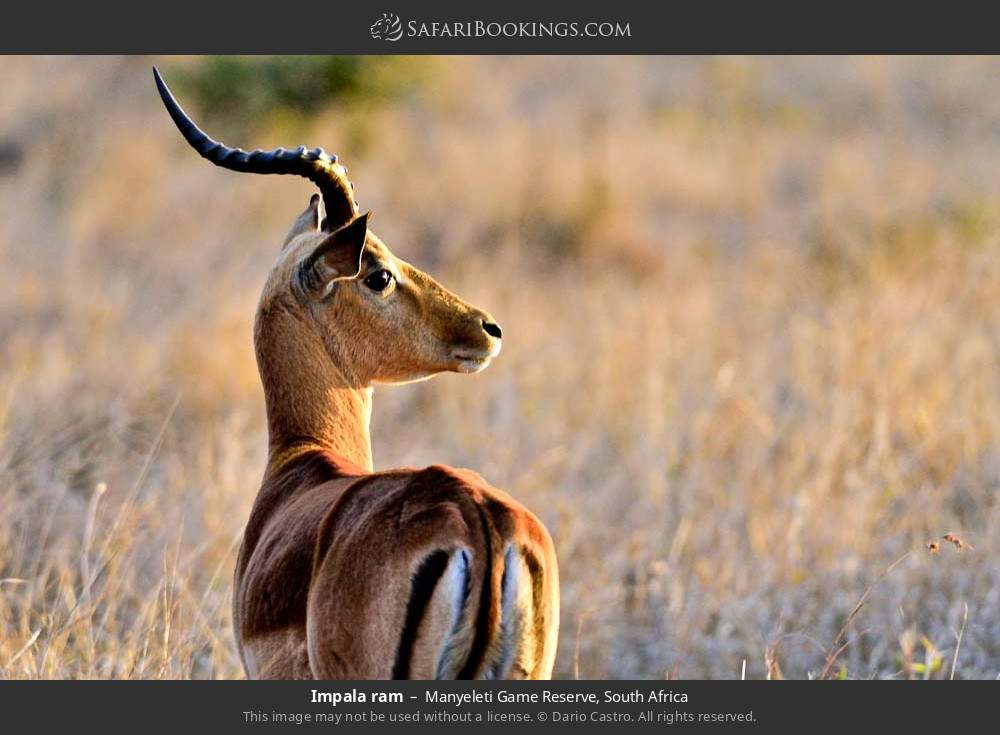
(314,164)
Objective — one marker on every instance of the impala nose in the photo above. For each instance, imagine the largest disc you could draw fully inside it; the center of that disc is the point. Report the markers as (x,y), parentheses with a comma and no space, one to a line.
(492,329)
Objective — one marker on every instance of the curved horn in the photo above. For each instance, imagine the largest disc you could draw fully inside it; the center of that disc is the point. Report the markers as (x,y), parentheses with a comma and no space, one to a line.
(316,164)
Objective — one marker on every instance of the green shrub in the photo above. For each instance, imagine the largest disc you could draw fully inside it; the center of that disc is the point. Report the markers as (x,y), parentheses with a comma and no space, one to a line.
(255,86)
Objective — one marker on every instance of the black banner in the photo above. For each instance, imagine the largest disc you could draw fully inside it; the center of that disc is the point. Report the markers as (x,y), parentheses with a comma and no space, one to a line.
(223,707)
(452,27)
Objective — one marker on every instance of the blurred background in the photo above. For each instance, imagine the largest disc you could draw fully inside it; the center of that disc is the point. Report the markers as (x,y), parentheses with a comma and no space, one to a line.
(751,311)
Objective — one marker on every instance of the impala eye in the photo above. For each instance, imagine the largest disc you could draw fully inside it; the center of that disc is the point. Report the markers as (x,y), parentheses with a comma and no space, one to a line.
(379,280)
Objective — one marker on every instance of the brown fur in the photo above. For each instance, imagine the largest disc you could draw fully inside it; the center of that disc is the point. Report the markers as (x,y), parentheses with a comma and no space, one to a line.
(349,573)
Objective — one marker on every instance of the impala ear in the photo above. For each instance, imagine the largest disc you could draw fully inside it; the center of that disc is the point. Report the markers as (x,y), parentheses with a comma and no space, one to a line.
(308,221)
(338,256)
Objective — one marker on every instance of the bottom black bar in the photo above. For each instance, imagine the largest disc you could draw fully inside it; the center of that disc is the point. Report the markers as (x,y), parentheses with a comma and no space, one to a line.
(237,706)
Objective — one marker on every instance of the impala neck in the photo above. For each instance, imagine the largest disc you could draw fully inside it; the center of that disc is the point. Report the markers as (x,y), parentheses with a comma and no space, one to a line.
(311,402)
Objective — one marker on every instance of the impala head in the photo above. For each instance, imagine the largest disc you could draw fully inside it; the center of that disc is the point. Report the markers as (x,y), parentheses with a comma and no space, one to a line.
(380,318)
(388,321)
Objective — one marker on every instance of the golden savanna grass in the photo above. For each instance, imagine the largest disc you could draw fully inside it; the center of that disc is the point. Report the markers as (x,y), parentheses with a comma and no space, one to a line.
(751,311)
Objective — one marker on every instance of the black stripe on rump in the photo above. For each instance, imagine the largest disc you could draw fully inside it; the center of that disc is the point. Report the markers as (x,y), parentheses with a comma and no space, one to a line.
(482,636)
(424,582)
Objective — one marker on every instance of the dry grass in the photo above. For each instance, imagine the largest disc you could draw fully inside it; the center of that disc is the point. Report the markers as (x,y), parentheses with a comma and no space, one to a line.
(752,311)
